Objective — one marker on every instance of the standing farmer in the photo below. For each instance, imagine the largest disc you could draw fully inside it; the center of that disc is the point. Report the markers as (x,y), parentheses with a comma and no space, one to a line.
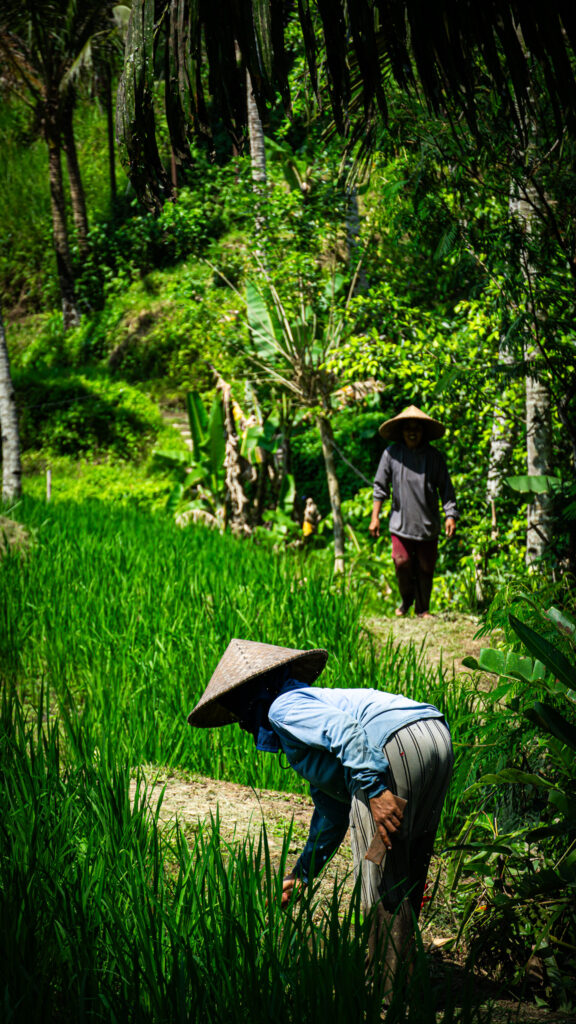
(376,762)
(417,475)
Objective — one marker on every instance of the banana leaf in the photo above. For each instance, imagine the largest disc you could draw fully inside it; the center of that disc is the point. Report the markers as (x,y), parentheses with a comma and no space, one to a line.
(565,804)
(174,497)
(176,462)
(252,438)
(287,493)
(507,663)
(261,324)
(198,421)
(564,624)
(515,775)
(215,445)
(530,485)
(546,652)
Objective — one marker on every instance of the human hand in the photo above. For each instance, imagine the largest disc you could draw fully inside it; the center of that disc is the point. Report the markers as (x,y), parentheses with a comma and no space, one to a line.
(450,527)
(290,888)
(388,812)
(374,528)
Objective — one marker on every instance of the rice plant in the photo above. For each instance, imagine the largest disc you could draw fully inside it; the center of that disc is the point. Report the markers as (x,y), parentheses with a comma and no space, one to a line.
(107,917)
(124,618)
(110,626)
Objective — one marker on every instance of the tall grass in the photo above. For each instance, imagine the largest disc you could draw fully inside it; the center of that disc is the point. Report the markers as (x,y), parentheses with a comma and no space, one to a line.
(123,619)
(110,626)
(105,917)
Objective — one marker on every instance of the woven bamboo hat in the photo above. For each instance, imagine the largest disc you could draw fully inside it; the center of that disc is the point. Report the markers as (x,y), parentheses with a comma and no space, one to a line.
(391,430)
(244,661)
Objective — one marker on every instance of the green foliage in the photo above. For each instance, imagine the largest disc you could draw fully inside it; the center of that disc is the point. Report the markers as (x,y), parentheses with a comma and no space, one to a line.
(81,414)
(522,888)
(441,259)
(292,337)
(356,436)
(124,249)
(163,332)
(200,492)
(27,268)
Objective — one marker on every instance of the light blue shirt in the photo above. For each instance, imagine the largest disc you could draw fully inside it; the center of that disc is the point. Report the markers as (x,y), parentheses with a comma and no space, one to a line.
(334,739)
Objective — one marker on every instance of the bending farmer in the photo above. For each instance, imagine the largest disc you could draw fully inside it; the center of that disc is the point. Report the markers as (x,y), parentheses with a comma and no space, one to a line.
(416,474)
(376,762)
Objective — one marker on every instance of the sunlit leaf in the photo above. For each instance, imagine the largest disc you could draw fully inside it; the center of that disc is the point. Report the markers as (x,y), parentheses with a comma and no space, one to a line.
(546,652)
(532,484)
(516,776)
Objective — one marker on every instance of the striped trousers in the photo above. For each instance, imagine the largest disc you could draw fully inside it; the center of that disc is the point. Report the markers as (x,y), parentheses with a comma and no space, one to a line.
(421,759)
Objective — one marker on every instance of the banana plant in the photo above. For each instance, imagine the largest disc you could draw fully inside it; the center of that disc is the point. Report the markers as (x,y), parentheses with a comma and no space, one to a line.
(292,351)
(200,492)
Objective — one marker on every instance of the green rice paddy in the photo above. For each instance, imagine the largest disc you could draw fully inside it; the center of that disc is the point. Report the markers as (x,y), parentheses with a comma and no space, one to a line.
(110,626)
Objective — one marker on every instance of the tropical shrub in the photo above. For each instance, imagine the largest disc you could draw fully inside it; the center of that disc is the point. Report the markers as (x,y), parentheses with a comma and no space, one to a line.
(518,850)
(67,413)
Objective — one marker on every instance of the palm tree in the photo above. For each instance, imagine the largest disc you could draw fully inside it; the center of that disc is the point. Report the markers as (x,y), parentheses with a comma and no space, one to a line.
(432,47)
(43,45)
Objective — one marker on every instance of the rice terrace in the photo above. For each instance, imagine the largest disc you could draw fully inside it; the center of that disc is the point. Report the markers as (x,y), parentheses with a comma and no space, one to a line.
(288,512)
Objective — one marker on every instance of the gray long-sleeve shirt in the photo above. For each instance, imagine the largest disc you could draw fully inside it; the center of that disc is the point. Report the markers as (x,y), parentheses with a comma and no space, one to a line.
(416,477)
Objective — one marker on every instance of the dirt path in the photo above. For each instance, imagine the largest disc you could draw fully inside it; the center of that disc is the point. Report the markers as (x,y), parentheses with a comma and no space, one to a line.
(447,637)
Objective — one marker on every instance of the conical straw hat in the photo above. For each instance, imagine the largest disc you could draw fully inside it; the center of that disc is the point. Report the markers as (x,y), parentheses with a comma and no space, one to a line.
(391,430)
(243,661)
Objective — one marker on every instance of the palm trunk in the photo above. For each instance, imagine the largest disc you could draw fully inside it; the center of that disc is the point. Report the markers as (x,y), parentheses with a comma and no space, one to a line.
(538,458)
(258,160)
(501,446)
(10,437)
(70,311)
(501,439)
(237,499)
(77,195)
(538,410)
(327,437)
